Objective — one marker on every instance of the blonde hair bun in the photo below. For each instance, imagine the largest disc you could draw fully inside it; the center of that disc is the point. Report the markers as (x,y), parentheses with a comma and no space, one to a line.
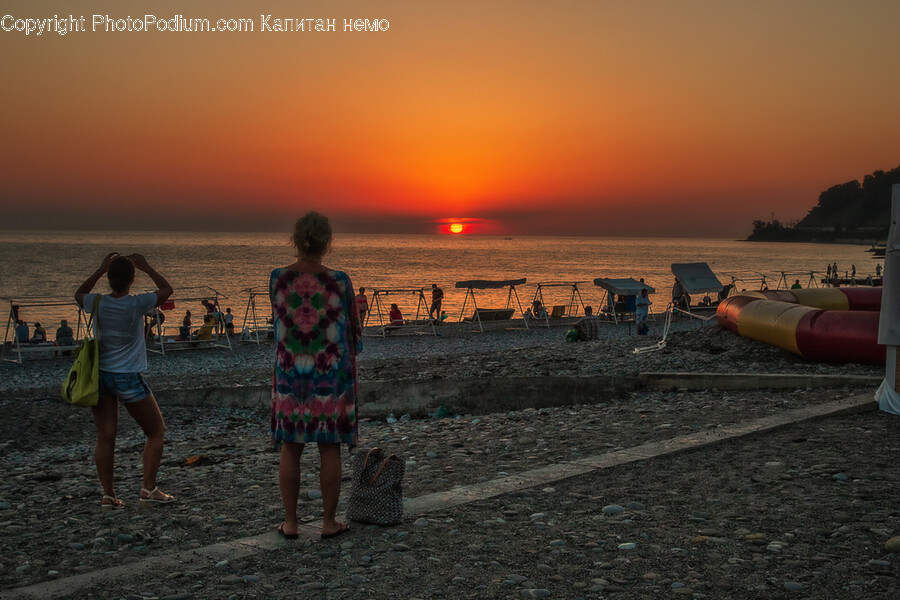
(312,234)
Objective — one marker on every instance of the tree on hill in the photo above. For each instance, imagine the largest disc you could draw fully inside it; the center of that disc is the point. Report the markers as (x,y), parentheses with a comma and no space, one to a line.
(853,205)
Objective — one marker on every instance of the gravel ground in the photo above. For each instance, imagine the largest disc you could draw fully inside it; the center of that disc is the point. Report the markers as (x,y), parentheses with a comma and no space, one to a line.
(458,353)
(817,500)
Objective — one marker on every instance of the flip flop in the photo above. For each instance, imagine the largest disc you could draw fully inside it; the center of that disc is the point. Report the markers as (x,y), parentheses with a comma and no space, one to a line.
(287,536)
(344,528)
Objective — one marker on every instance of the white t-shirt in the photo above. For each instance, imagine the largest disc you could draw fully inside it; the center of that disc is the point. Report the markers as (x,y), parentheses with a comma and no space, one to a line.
(121,326)
(229,318)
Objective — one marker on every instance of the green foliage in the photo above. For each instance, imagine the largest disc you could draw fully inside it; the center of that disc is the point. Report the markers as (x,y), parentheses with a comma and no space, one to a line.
(850,209)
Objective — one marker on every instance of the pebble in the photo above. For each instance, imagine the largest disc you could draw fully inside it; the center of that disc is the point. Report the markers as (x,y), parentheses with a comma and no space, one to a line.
(627,546)
(893,545)
(313,585)
(840,477)
(612,509)
(421,522)
(314,494)
(793,586)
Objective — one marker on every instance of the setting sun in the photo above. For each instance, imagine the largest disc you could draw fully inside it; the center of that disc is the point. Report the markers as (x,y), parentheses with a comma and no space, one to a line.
(456,228)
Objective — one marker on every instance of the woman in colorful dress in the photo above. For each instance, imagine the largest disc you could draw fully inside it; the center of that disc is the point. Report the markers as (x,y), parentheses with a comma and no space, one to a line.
(314,388)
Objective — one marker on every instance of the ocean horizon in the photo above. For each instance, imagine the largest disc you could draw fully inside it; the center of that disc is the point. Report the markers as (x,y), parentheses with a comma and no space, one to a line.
(54,263)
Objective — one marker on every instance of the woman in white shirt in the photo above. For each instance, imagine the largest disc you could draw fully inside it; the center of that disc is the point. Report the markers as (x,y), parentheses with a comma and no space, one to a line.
(119,328)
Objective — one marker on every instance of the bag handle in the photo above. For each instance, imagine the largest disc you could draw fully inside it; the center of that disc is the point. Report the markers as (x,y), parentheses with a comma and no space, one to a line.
(93,312)
(368,454)
(381,468)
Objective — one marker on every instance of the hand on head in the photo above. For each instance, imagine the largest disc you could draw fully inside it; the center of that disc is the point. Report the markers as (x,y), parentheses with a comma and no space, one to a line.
(139,261)
(108,259)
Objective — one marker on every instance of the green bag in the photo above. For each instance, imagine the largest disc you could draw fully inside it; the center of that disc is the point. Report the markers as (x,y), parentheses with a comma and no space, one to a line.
(82,384)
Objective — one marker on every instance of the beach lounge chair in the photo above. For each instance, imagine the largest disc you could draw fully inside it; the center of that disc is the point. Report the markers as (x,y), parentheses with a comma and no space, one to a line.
(417,324)
(491,314)
(695,279)
(559,313)
(628,289)
(487,315)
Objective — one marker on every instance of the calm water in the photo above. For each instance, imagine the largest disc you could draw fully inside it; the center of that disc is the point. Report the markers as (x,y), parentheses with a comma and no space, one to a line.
(55,263)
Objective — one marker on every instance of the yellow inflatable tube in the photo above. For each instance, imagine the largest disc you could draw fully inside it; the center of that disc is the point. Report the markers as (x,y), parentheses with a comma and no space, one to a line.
(773,323)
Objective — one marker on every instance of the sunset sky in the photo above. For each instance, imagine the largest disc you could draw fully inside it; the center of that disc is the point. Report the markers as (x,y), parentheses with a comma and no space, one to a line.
(676,118)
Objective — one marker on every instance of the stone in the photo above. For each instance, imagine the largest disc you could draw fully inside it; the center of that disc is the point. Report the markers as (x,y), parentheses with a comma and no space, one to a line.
(313,585)
(627,546)
(793,586)
(314,494)
(893,545)
(612,509)
(421,522)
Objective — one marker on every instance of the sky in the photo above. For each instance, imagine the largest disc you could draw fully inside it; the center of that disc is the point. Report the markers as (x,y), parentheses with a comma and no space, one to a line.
(639,118)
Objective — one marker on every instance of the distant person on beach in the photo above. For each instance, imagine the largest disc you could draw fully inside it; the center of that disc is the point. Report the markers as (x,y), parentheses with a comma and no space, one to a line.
(40,334)
(437,298)
(588,326)
(853,272)
(362,304)
(184,332)
(828,273)
(642,311)
(395,316)
(64,334)
(796,285)
(681,298)
(878,270)
(834,271)
(229,322)
(123,358)
(314,383)
(22,332)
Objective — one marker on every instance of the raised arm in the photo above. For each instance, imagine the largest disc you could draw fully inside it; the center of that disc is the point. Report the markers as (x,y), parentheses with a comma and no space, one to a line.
(89,283)
(164,288)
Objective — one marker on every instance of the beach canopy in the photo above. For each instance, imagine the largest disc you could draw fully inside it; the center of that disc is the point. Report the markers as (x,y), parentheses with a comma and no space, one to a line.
(486,284)
(696,277)
(624,287)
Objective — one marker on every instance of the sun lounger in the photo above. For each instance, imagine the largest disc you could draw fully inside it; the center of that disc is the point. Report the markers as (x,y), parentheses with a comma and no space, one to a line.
(492,314)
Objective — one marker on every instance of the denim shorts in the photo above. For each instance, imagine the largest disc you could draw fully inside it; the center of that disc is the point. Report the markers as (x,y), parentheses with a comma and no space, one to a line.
(127,387)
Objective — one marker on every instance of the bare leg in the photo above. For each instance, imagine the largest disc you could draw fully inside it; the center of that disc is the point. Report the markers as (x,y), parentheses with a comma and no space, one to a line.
(289,479)
(330,482)
(146,413)
(106,420)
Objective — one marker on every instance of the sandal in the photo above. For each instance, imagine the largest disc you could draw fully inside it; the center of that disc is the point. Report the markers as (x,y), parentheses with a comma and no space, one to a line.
(150,499)
(113,504)
(285,535)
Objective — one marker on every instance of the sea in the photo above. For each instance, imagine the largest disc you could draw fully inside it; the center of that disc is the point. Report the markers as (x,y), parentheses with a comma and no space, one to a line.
(40,270)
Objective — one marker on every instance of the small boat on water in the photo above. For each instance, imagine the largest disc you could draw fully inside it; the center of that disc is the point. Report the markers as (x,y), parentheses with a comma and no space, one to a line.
(878,251)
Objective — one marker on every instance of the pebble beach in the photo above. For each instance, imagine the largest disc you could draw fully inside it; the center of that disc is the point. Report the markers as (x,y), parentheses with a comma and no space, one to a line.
(806,511)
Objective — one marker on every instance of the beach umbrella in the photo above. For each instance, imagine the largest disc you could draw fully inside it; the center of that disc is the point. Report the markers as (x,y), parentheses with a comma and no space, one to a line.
(889,326)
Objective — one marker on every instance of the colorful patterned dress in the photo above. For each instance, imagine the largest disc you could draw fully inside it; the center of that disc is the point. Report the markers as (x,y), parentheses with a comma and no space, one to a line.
(318,335)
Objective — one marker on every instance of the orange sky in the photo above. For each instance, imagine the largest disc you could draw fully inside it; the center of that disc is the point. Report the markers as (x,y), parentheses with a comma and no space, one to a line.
(591,118)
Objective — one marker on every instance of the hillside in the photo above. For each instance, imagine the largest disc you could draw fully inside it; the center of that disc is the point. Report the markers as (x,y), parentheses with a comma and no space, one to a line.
(852,210)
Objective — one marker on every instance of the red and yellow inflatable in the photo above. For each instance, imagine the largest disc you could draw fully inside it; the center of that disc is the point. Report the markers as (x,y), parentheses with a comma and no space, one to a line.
(825,324)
